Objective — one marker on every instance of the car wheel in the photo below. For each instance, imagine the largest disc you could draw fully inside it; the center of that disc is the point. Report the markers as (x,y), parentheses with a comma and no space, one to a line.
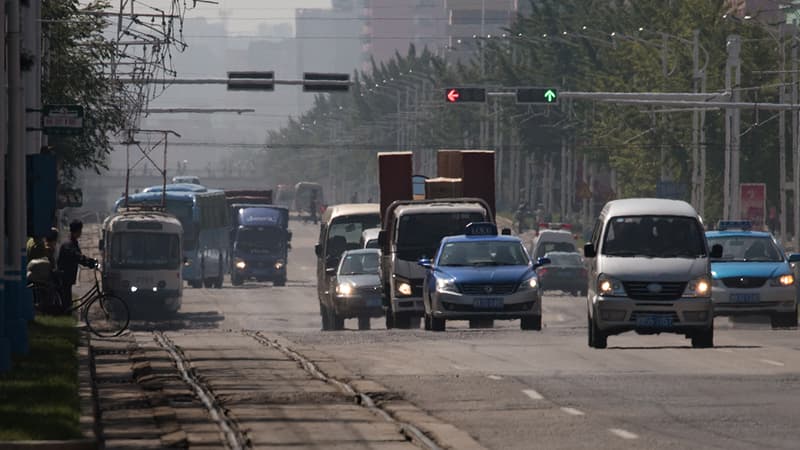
(389,318)
(427,322)
(438,324)
(337,321)
(218,282)
(531,323)
(323,312)
(703,339)
(784,320)
(597,339)
(481,323)
(363,323)
(208,283)
(402,320)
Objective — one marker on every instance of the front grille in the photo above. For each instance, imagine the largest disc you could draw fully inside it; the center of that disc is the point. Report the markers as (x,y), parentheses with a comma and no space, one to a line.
(368,290)
(416,287)
(457,307)
(672,314)
(488,289)
(744,282)
(649,290)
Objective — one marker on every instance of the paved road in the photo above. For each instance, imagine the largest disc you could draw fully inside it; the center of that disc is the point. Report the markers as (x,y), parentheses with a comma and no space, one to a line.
(513,389)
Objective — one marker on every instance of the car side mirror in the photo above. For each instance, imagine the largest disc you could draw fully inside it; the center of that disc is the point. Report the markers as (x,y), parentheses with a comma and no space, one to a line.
(101,245)
(506,232)
(716,251)
(794,257)
(317,249)
(589,251)
(426,263)
(541,262)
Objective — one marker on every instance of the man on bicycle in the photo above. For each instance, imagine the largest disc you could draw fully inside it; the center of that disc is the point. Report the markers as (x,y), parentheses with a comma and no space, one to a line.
(69,257)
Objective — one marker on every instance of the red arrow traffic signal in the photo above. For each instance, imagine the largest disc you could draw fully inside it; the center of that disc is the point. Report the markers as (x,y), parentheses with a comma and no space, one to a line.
(465,94)
(453,95)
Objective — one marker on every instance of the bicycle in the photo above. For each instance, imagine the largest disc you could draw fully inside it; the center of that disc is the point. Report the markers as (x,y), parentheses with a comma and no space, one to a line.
(106,315)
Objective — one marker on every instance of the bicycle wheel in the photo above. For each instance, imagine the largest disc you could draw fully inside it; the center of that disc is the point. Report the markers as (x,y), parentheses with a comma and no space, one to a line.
(107,315)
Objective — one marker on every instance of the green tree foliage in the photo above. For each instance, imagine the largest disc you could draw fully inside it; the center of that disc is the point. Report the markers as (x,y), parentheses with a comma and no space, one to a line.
(577,45)
(73,73)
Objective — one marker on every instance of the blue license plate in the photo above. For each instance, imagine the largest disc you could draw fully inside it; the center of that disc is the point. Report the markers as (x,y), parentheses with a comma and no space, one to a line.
(374,302)
(745,298)
(488,303)
(653,321)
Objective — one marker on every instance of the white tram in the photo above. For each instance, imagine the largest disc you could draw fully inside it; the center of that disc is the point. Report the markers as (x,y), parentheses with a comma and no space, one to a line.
(142,259)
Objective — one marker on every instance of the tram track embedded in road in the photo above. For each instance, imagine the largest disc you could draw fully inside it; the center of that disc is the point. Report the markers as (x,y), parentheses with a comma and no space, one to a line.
(233,437)
(408,430)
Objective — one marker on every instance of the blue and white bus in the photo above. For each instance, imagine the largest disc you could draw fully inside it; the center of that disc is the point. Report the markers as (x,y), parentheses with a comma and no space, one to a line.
(203,213)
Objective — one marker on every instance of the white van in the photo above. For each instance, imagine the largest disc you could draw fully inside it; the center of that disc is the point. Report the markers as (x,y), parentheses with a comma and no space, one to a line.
(649,271)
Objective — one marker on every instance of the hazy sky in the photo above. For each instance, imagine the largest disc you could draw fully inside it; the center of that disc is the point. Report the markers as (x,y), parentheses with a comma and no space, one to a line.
(244,16)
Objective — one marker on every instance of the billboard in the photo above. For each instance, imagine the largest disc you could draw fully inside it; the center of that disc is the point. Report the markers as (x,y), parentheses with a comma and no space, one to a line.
(753,203)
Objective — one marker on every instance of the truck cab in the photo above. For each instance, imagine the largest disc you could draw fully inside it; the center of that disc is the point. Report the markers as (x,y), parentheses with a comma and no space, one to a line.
(261,240)
(412,230)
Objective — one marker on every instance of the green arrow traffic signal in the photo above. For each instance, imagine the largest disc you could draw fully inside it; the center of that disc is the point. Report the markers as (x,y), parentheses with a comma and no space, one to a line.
(537,95)
(550,96)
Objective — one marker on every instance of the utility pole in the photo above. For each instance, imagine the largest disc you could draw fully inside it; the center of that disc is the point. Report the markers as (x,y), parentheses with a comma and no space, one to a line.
(795,146)
(732,79)
(16,327)
(5,346)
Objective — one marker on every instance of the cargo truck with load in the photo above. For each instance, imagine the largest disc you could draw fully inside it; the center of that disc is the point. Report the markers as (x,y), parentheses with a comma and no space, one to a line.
(412,229)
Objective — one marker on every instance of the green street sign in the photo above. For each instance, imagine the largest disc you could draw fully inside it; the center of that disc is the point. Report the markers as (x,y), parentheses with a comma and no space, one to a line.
(64,120)
(537,95)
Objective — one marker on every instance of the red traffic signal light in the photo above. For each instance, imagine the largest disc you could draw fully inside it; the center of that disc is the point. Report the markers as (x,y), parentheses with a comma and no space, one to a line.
(458,95)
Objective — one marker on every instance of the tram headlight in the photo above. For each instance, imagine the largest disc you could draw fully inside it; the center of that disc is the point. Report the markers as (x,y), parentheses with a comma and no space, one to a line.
(134,289)
(240,264)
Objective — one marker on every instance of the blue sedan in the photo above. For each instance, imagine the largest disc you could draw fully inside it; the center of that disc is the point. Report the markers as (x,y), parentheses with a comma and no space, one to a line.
(753,276)
(480,277)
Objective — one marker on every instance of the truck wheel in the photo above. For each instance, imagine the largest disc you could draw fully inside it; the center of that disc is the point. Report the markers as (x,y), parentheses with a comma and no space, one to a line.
(208,283)
(236,280)
(703,339)
(531,323)
(438,324)
(481,323)
(363,323)
(784,320)
(597,339)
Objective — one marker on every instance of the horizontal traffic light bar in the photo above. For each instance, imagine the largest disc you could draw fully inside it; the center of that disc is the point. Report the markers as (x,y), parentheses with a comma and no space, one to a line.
(537,95)
(251,80)
(326,82)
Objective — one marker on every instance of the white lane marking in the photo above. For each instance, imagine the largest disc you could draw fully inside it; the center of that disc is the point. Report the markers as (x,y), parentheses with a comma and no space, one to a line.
(624,434)
(494,377)
(771,362)
(724,350)
(457,367)
(532,394)
(572,411)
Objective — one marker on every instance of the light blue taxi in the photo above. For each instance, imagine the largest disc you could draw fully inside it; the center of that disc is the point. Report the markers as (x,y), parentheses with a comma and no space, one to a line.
(480,276)
(753,276)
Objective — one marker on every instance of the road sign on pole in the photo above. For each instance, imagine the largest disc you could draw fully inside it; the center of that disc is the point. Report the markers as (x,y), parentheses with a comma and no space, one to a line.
(537,95)
(326,82)
(65,120)
(465,95)
(251,81)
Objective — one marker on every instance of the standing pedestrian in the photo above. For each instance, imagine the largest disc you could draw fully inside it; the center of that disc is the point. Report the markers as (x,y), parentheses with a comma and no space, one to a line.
(69,257)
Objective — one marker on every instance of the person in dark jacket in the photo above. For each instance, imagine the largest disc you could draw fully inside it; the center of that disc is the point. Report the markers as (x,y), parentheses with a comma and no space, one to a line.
(69,257)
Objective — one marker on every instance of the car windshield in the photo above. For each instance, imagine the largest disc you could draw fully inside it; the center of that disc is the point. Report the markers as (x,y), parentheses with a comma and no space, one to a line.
(746,248)
(419,235)
(483,253)
(345,233)
(565,259)
(654,237)
(359,264)
(148,251)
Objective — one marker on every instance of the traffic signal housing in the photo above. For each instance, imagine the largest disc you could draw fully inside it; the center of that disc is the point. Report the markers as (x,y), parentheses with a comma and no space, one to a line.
(326,82)
(465,95)
(537,95)
(251,81)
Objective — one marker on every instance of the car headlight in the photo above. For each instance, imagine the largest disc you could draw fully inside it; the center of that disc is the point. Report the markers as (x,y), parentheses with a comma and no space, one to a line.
(278,265)
(783,280)
(446,285)
(529,283)
(609,286)
(134,288)
(402,287)
(699,287)
(240,264)
(344,288)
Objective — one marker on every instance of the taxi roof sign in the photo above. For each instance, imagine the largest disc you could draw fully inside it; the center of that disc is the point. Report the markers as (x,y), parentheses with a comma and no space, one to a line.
(481,229)
(555,225)
(744,225)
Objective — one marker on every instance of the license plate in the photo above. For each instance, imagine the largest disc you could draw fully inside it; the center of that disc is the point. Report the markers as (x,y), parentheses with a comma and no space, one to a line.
(745,298)
(488,303)
(374,301)
(654,321)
